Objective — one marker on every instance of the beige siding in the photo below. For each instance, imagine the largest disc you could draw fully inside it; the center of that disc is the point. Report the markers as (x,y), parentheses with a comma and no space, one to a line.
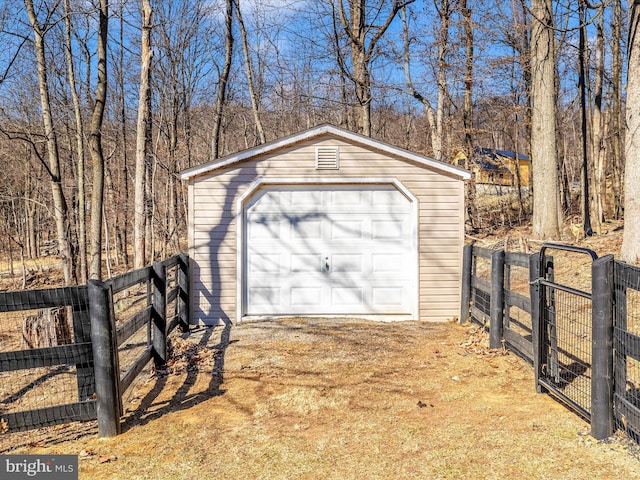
(213,209)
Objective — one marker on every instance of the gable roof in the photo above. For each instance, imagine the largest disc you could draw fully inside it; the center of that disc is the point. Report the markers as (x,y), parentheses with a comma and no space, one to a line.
(318,131)
(493,153)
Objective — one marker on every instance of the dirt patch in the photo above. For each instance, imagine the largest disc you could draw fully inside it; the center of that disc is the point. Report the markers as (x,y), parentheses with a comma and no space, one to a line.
(345,400)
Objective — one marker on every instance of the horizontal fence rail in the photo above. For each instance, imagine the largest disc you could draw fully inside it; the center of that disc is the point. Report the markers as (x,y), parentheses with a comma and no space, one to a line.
(573,337)
(69,354)
(46,374)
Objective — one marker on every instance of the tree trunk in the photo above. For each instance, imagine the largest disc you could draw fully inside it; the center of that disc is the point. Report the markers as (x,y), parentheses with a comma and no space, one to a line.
(598,147)
(224,79)
(95,146)
(467,114)
(443,88)
(616,79)
(255,104)
(143,138)
(434,120)
(124,222)
(60,209)
(358,31)
(546,224)
(631,237)
(585,153)
(82,222)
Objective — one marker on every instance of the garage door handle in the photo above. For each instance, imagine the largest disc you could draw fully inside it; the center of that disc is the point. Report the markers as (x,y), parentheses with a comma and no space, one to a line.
(326,264)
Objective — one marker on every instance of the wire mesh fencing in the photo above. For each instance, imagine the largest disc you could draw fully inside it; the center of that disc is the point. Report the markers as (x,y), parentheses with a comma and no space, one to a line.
(45,359)
(480,304)
(627,349)
(47,364)
(567,345)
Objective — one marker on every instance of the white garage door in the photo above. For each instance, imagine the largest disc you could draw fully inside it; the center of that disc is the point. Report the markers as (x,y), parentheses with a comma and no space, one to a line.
(340,250)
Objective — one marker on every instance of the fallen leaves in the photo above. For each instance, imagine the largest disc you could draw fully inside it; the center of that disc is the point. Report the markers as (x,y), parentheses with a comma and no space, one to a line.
(477,343)
(186,356)
(86,453)
(89,453)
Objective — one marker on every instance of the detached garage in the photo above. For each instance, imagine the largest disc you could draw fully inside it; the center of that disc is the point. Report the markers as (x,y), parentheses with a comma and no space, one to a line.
(325,223)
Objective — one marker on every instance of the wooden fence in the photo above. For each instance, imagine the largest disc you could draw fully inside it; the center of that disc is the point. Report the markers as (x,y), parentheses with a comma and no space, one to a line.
(99,349)
(610,350)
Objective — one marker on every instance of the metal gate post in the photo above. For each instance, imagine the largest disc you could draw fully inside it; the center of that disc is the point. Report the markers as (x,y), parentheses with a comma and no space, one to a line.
(496,309)
(536,318)
(602,348)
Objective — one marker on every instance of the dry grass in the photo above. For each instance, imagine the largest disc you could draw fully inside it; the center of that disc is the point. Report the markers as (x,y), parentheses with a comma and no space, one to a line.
(340,399)
(343,400)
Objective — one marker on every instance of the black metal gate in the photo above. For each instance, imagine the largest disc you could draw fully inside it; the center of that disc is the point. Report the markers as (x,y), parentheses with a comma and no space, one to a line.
(564,334)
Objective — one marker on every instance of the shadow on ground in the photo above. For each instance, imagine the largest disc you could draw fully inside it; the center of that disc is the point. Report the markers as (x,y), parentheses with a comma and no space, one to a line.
(153,406)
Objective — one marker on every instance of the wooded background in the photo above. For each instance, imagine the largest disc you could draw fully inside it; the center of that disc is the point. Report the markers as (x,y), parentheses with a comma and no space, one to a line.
(103,103)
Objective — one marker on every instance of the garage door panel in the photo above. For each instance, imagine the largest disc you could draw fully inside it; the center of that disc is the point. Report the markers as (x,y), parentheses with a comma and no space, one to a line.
(347,263)
(388,297)
(306,297)
(347,229)
(329,250)
(305,263)
(348,198)
(265,296)
(389,198)
(388,230)
(264,263)
(347,296)
(264,228)
(388,263)
(305,228)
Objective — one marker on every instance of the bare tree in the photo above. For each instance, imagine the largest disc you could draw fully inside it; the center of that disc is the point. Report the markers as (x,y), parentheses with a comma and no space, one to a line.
(363,36)
(95,145)
(248,65)
(616,134)
(544,155)
(584,124)
(143,138)
(467,110)
(435,117)
(82,223)
(60,212)
(598,128)
(224,78)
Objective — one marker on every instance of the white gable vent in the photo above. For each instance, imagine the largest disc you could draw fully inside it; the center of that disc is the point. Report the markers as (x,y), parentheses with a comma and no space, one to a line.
(327,158)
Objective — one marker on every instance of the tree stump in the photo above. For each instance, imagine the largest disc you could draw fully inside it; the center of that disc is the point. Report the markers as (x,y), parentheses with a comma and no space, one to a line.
(48,328)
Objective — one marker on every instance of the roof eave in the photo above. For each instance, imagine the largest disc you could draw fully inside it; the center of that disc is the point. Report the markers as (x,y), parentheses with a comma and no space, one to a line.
(315,132)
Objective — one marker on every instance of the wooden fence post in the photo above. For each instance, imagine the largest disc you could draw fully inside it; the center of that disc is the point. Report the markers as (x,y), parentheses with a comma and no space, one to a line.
(465,296)
(602,347)
(183,293)
(159,314)
(105,358)
(496,308)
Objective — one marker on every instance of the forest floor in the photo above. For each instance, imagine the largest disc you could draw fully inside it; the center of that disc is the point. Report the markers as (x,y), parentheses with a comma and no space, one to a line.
(342,399)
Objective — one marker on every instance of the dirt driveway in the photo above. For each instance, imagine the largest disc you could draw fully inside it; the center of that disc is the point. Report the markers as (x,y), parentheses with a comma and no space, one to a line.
(328,399)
